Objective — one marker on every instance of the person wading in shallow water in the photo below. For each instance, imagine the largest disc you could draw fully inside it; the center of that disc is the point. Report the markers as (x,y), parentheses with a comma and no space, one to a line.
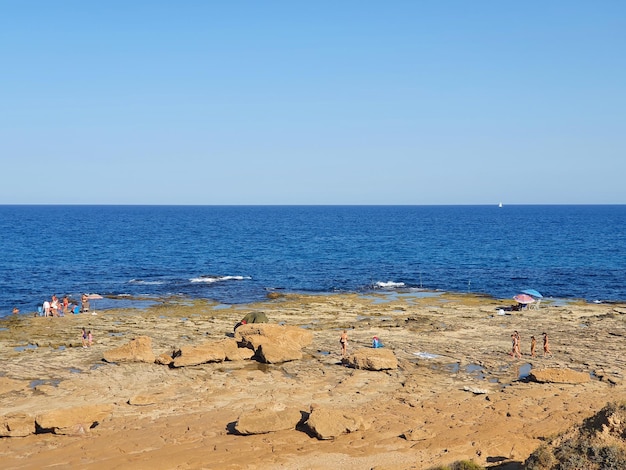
(344,343)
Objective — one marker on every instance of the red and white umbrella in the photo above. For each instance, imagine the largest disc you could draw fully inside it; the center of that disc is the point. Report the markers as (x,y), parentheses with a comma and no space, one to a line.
(524,299)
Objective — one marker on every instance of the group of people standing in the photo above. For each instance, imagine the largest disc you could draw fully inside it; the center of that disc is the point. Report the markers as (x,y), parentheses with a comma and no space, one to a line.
(516,350)
(56,307)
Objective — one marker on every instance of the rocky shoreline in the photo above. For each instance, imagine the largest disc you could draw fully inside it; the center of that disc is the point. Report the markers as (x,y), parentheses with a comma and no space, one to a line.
(448,389)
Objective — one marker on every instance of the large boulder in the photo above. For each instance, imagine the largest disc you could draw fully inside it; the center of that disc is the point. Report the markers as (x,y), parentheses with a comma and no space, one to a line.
(16,425)
(137,350)
(77,420)
(328,423)
(565,376)
(275,353)
(233,352)
(254,335)
(263,421)
(215,351)
(194,355)
(373,359)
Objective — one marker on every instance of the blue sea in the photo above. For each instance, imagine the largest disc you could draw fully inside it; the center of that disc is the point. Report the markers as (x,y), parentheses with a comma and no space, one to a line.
(237,254)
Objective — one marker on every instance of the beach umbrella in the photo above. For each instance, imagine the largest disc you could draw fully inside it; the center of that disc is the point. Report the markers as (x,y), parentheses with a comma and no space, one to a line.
(523,299)
(94,297)
(533,293)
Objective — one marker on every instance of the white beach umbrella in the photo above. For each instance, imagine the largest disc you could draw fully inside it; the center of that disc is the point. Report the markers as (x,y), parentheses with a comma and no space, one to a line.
(94,297)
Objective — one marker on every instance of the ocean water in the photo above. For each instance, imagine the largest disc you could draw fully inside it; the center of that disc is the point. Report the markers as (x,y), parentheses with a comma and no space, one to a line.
(236,254)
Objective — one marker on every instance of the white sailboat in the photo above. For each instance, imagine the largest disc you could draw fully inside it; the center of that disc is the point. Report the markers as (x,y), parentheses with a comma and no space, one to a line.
(500,205)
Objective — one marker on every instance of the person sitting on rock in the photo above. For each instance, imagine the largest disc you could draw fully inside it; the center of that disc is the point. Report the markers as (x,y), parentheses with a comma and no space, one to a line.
(252,317)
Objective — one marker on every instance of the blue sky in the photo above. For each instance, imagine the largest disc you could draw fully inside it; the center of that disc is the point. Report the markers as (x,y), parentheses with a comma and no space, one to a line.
(325,102)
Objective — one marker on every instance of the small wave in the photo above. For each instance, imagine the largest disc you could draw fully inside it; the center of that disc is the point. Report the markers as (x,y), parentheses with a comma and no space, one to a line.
(146,283)
(389,284)
(212,279)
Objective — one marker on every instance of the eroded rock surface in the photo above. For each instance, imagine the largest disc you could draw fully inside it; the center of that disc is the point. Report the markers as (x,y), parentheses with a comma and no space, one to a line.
(137,350)
(424,412)
(263,421)
(373,359)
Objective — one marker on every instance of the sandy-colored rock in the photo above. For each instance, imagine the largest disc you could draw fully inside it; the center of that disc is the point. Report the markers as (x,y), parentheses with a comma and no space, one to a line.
(164,359)
(234,353)
(598,443)
(373,359)
(272,353)
(327,423)
(16,425)
(418,434)
(215,351)
(46,389)
(416,416)
(76,420)
(253,335)
(263,421)
(566,376)
(145,399)
(137,350)
(10,385)
(201,354)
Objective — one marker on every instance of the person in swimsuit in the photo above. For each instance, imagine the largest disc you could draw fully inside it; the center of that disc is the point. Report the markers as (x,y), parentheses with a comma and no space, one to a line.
(85,303)
(84,336)
(89,338)
(546,345)
(344,343)
(533,346)
(516,347)
(54,306)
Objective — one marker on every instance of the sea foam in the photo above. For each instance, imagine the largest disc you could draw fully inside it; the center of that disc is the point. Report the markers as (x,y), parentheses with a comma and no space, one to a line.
(212,279)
